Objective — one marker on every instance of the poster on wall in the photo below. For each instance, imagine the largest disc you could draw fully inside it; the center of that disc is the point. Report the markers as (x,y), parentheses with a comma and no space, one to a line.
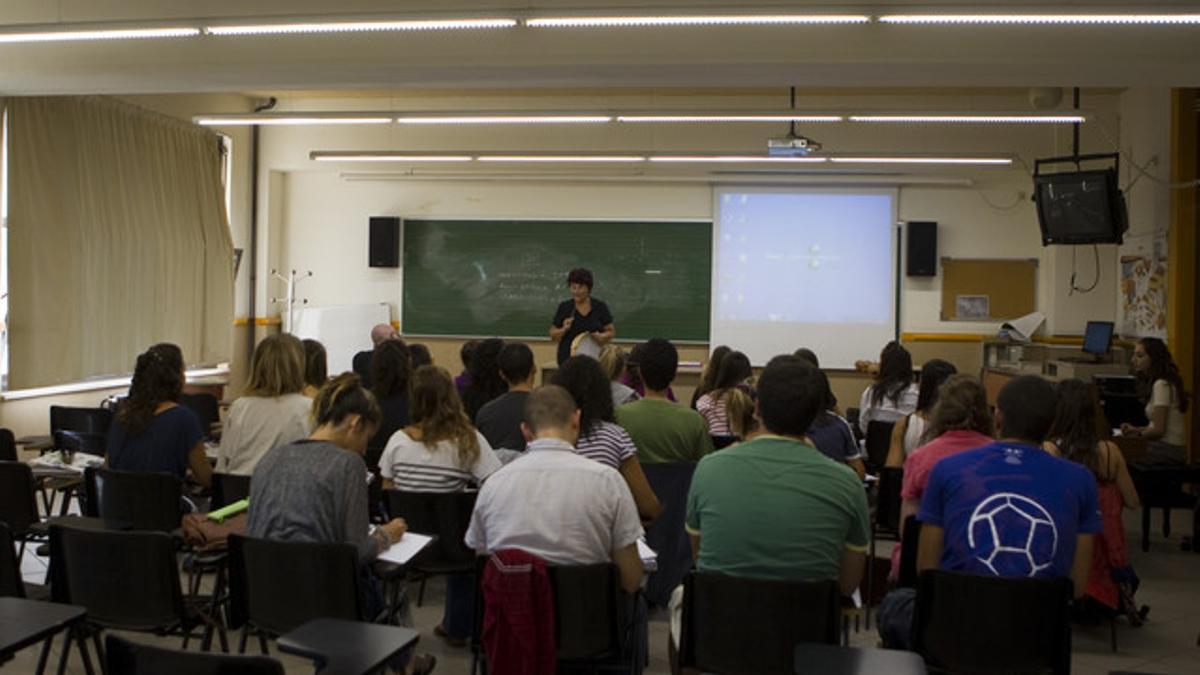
(1144,286)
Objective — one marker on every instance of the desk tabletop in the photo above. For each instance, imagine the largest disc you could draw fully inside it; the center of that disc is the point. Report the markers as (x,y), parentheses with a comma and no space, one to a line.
(835,660)
(341,647)
(26,622)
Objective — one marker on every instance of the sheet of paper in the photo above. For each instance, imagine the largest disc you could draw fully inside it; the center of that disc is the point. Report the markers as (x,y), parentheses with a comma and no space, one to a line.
(408,546)
(645,552)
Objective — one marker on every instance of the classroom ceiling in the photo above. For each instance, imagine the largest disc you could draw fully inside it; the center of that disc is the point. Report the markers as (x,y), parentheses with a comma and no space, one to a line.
(871,55)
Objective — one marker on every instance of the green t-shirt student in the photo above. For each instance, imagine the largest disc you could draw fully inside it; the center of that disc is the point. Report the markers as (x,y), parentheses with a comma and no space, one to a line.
(664,431)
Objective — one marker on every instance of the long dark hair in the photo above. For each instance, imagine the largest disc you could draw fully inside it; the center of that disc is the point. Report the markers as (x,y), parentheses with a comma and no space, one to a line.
(390,368)
(585,380)
(1074,430)
(157,378)
(316,368)
(1162,367)
(962,405)
(708,376)
(895,373)
(341,397)
(438,412)
(486,383)
(933,374)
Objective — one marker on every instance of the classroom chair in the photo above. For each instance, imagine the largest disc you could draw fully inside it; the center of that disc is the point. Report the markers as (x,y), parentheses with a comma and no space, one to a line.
(18,503)
(88,420)
(966,623)
(666,536)
(228,488)
(909,541)
(446,515)
(878,442)
(740,626)
(207,409)
(8,446)
(148,501)
(129,658)
(11,584)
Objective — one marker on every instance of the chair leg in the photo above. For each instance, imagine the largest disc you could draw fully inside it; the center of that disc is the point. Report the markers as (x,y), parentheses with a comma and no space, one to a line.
(99,652)
(66,652)
(45,655)
(1145,529)
(242,642)
(1112,626)
(421,591)
(262,645)
(1166,521)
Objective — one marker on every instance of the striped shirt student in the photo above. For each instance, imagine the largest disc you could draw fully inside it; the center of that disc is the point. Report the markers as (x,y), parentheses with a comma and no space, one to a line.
(412,466)
(712,409)
(607,443)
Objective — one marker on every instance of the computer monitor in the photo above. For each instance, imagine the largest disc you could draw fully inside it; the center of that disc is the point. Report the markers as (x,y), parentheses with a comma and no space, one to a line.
(1097,338)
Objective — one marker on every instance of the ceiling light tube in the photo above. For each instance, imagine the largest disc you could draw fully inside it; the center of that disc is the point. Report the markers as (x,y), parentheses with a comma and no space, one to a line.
(681,118)
(358,26)
(1043,19)
(696,20)
(612,159)
(98,34)
(318,156)
(504,119)
(971,119)
(736,159)
(286,120)
(1000,161)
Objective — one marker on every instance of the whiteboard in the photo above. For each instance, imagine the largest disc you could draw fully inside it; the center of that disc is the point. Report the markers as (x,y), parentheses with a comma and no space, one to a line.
(344,330)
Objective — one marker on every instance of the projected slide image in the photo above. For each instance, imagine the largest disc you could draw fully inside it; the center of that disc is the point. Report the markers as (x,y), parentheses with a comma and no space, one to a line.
(797,257)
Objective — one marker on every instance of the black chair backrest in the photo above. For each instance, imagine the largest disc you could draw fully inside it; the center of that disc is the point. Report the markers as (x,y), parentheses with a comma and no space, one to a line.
(879,441)
(980,624)
(228,488)
(8,446)
(206,407)
(588,610)
(126,580)
(910,539)
(130,658)
(887,505)
(11,585)
(733,625)
(90,420)
(721,442)
(149,501)
(852,415)
(670,482)
(81,441)
(18,497)
(279,585)
(444,514)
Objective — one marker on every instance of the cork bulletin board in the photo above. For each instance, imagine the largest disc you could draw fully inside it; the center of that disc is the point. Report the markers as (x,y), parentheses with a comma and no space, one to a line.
(988,290)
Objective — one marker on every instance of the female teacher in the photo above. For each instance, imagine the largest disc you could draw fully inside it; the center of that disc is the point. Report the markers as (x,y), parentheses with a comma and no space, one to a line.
(581,314)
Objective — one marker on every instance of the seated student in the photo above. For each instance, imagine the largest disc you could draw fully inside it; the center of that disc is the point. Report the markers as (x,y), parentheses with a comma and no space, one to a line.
(662,430)
(893,395)
(361,364)
(390,371)
(600,437)
(961,420)
(151,432)
(831,433)
(313,489)
(316,368)
(1007,509)
(615,363)
(742,409)
(499,420)
(740,497)
(733,372)
(1160,387)
(1111,581)
(271,410)
(525,505)
(464,354)
(910,431)
(708,374)
(419,355)
(486,383)
(809,356)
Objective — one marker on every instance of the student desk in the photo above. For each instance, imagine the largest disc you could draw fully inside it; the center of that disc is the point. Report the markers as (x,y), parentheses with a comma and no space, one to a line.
(26,622)
(834,660)
(341,647)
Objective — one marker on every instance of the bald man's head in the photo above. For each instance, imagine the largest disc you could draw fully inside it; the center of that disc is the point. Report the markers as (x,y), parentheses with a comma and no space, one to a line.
(382,333)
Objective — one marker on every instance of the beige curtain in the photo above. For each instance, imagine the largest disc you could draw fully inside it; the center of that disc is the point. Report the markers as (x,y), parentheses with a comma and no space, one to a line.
(118,239)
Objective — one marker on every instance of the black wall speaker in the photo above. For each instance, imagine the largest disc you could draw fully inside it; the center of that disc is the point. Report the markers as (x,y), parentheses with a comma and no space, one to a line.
(384,242)
(922,248)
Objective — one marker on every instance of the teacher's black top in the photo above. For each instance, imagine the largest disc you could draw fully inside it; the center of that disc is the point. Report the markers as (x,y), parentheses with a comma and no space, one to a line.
(595,321)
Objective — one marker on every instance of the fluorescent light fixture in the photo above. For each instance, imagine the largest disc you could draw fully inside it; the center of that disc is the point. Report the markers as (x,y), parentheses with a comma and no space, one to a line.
(736,159)
(300,119)
(999,161)
(504,119)
(99,34)
(728,118)
(608,159)
(696,20)
(971,119)
(385,157)
(1044,19)
(359,26)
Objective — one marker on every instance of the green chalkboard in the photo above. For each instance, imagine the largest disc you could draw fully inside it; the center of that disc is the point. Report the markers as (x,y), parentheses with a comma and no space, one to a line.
(506,277)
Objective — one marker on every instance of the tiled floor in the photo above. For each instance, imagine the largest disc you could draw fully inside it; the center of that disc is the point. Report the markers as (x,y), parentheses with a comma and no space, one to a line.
(1167,644)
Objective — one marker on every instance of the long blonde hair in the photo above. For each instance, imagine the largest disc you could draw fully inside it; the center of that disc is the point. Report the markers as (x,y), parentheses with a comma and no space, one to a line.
(437,412)
(277,367)
(739,406)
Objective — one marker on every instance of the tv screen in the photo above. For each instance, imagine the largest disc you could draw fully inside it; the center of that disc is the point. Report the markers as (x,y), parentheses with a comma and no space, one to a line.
(1083,207)
(1097,338)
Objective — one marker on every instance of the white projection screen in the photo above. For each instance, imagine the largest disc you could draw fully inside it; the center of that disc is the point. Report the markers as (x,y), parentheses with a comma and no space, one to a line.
(804,267)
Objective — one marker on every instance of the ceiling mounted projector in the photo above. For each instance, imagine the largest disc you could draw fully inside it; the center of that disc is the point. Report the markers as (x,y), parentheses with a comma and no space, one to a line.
(792,145)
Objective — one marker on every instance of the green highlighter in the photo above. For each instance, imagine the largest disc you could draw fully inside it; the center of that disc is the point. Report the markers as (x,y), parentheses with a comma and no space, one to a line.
(231,510)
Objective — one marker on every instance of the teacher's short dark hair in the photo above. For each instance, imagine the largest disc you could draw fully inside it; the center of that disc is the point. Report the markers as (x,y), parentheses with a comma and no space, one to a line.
(1028,404)
(657,361)
(790,395)
(581,275)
